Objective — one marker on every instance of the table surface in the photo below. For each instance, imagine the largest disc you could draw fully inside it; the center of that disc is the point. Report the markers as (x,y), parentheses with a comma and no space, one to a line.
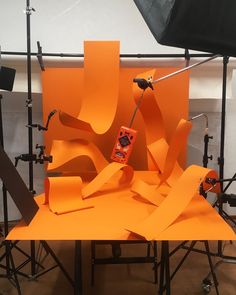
(112,212)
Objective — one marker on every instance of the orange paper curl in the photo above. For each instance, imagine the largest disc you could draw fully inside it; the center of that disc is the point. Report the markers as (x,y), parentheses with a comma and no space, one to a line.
(148,192)
(174,204)
(101,84)
(178,142)
(63,194)
(106,174)
(65,151)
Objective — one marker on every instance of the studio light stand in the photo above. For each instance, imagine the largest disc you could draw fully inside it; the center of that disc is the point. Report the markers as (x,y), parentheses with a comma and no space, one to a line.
(223,197)
(165,276)
(32,158)
(7,76)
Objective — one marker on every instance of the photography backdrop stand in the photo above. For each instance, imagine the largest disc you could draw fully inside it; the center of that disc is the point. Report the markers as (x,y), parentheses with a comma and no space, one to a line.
(9,267)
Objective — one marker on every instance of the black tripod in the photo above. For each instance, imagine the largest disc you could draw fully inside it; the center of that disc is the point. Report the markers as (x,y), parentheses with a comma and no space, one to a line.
(223,197)
(9,267)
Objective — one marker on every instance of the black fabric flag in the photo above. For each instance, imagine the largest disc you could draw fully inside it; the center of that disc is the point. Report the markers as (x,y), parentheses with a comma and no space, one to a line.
(16,187)
(205,25)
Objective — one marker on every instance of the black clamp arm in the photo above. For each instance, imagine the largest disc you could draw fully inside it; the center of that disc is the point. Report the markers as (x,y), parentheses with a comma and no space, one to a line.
(25,158)
(40,56)
(143,83)
(40,127)
(41,156)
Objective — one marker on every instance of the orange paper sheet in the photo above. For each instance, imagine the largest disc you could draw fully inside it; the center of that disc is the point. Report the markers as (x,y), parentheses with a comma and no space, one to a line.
(70,121)
(101,84)
(65,151)
(63,194)
(166,157)
(63,89)
(174,204)
(178,142)
(106,174)
(148,191)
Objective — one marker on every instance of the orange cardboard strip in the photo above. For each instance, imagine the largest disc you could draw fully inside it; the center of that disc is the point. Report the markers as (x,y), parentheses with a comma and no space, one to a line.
(177,143)
(101,84)
(65,151)
(174,204)
(106,174)
(64,194)
(148,192)
(70,121)
(166,157)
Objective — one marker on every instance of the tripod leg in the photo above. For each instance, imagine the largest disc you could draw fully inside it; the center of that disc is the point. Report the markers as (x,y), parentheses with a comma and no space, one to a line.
(155,262)
(211,267)
(11,261)
(162,270)
(165,269)
(167,263)
(47,248)
(33,260)
(183,259)
(93,254)
(78,269)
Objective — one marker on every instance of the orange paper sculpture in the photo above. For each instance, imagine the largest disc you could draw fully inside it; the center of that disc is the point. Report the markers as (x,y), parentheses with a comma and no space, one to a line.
(161,200)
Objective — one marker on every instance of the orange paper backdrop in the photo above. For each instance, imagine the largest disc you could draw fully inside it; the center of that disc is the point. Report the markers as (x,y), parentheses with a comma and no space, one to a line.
(63,90)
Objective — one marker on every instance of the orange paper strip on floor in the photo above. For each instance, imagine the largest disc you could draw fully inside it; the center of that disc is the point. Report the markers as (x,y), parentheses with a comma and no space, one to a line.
(124,178)
(174,204)
(64,194)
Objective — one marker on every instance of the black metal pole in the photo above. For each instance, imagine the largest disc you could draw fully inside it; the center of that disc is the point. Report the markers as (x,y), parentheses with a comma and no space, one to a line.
(29,99)
(4,195)
(124,55)
(78,288)
(30,131)
(222,138)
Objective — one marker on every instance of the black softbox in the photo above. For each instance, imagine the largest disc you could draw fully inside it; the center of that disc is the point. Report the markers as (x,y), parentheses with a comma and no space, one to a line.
(205,25)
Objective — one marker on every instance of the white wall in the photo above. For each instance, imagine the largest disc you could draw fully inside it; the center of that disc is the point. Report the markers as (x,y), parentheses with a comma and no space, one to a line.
(62,26)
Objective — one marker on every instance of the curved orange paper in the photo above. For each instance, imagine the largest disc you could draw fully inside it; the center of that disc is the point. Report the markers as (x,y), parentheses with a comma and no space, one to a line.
(101,84)
(166,157)
(64,194)
(148,192)
(73,122)
(106,174)
(174,204)
(178,142)
(65,151)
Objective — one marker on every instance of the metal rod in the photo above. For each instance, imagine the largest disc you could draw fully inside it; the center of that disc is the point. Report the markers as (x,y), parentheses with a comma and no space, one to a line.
(128,55)
(201,115)
(185,69)
(29,99)
(136,109)
(222,139)
(78,288)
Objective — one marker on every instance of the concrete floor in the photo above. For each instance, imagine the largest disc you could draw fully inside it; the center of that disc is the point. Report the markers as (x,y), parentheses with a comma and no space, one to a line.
(123,279)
